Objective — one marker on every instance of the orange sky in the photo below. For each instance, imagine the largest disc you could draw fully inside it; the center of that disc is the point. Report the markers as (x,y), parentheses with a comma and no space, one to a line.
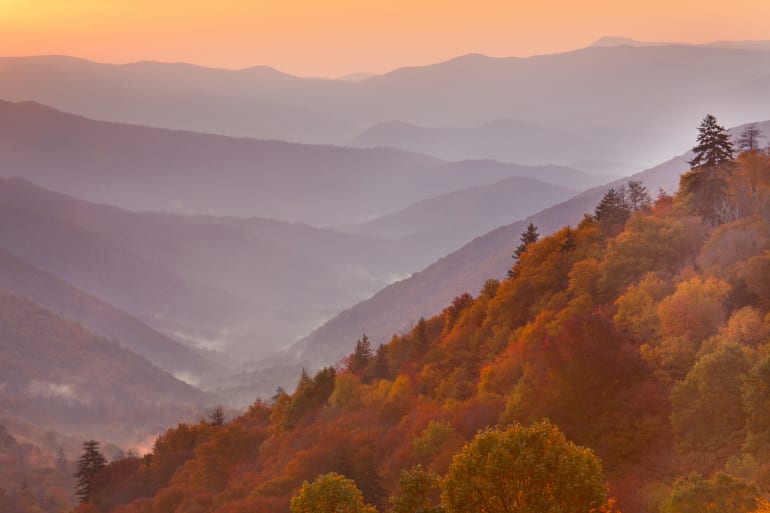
(335,37)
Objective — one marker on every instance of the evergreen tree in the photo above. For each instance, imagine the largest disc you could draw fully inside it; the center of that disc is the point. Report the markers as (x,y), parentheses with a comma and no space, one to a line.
(529,236)
(61,460)
(361,355)
(91,462)
(569,243)
(217,417)
(637,196)
(613,209)
(304,378)
(612,206)
(380,366)
(705,186)
(749,139)
(421,334)
(714,147)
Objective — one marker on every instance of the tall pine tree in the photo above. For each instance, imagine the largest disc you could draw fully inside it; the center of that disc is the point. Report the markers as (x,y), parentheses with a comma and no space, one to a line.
(637,196)
(749,139)
(361,356)
(705,186)
(529,236)
(91,462)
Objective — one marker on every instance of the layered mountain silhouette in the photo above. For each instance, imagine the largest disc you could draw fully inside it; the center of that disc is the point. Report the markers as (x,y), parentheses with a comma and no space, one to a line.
(232,288)
(635,99)
(434,227)
(211,282)
(505,140)
(142,168)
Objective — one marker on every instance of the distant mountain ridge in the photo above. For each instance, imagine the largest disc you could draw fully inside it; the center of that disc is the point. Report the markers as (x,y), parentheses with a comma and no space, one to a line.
(437,226)
(631,99)
(142,168)
(506,140)
(206,280)
(609,41)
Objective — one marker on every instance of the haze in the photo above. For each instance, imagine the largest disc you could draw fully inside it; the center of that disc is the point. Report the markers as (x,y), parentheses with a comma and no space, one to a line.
(337,37)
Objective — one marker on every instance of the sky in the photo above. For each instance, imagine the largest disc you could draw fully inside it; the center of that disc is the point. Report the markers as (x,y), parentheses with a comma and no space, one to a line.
(331,38)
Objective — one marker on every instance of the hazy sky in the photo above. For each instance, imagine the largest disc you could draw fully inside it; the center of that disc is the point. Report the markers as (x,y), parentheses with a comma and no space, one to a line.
(335,37)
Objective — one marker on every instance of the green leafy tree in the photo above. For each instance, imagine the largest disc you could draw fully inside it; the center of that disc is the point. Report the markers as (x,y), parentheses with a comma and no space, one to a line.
(756,401)
(418,490)
(722,494)
(90,464)
(706,414)
(330,493)
(525,470)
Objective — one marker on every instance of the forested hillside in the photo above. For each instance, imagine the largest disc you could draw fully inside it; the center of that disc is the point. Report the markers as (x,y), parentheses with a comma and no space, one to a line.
(425,293)
(56,374)
(642,334)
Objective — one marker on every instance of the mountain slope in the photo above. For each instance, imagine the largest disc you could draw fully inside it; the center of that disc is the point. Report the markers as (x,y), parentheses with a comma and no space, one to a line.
(237,288)
(85,383)
(204,280)
(149,290)
(22,279)
(425,293)
(641,335)
(439,225)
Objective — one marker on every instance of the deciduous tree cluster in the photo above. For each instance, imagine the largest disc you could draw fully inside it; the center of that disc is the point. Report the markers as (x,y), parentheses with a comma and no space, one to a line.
(642,334)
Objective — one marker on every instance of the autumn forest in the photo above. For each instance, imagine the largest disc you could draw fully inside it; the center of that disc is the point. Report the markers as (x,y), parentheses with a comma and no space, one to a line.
(384,256)
(624,365)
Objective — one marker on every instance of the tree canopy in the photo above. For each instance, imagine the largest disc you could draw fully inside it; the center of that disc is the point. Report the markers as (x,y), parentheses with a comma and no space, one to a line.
(330,493)
(89,465)
(524,469)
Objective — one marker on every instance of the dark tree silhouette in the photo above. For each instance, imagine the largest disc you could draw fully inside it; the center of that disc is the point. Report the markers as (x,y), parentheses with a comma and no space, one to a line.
(529,236)
(90,464)
(714,147)
(749,139)
(637,196)
(361,356)
(421,334)
(705,186)
(613,209)
(217,417)
(569,243)
(381,365)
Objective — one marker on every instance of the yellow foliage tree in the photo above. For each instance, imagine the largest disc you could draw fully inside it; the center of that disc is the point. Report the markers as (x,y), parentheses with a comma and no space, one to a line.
(330,493)
(524,469)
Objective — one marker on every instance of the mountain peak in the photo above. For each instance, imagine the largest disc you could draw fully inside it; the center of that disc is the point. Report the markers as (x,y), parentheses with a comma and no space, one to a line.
(609,41)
